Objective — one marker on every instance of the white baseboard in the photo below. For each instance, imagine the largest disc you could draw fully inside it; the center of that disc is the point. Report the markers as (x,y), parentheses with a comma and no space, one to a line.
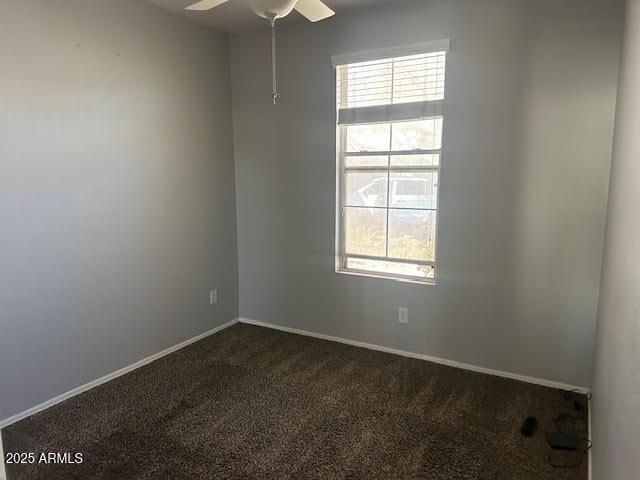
(88,386)
(451,363)
(441,361)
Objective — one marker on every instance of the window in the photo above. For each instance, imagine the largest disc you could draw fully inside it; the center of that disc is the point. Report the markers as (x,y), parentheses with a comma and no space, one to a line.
(390,122)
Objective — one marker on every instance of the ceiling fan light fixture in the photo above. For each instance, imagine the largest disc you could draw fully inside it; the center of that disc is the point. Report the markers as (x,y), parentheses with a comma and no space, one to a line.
(312,10)
(272,9)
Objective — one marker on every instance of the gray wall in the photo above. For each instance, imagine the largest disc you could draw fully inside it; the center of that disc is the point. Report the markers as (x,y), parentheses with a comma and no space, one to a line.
(616,392)
(531,99)
(117,201)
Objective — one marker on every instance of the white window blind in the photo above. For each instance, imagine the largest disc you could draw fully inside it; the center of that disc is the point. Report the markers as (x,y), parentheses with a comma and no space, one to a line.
(391,81)
(390,122)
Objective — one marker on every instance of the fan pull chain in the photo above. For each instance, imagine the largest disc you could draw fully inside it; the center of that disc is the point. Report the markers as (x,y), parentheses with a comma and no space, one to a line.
(275,95)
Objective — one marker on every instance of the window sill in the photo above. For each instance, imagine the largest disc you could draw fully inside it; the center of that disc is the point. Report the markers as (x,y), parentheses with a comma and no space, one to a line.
(381,276)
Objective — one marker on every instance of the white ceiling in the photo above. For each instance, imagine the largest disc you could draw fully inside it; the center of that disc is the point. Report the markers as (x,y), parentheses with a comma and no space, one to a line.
(235,16)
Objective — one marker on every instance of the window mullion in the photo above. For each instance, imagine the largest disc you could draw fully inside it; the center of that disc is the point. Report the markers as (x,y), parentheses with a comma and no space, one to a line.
(394,168)
(386,242)
(373,153)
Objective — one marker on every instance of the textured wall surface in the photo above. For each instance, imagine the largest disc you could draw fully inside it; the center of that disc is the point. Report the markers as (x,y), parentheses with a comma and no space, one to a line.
(117,201)
(530,105)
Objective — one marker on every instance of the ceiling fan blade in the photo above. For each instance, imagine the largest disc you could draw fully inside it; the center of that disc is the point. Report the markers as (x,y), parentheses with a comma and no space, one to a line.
(313,10)
(205,5)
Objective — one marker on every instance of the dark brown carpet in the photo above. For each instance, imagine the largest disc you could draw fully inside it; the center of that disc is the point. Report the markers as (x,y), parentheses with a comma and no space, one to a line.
(253,403)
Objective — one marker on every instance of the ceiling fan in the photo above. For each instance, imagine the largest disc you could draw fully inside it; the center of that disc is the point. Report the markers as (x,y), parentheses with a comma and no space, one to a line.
(313,10)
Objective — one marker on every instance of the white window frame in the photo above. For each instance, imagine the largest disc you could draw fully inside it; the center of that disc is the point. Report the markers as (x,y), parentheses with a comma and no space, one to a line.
(411,111)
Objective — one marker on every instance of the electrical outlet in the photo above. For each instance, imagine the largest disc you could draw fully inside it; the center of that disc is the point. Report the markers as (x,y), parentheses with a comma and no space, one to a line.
(213,296)
(403,315)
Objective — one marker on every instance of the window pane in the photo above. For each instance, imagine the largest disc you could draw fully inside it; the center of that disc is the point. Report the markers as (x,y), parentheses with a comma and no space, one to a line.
(414,190)
(422,134)
(368,138)
(412,234)
(389,200)
(366,189)
(366,161)
(365,231)
(392,268)
(415,160)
